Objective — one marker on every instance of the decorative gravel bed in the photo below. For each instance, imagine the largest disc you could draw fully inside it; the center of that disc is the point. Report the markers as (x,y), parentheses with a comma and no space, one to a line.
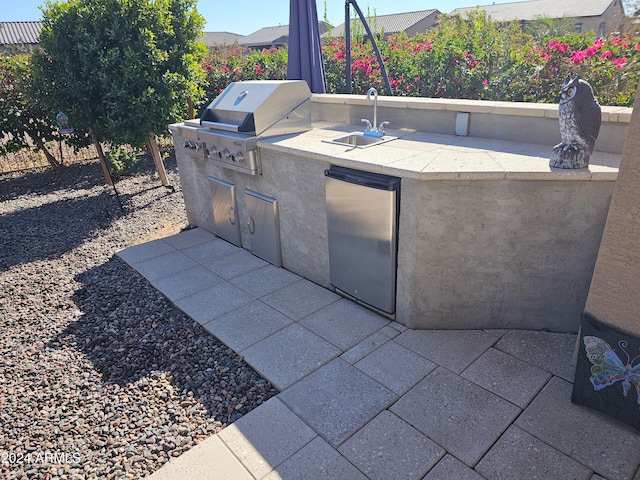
(100,376)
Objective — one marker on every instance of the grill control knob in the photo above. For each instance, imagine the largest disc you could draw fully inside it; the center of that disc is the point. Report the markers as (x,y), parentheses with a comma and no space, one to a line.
(191,145)
(238,157)
(224,154)
(212,151)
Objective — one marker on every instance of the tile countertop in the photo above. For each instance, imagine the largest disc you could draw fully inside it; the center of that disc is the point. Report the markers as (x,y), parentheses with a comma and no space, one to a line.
(434,156)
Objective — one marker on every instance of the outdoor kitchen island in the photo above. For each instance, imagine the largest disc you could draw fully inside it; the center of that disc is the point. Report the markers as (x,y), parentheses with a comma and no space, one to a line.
(489,236)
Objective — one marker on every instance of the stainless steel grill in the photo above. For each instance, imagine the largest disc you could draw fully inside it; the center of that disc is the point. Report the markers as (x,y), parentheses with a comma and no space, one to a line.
(242,114)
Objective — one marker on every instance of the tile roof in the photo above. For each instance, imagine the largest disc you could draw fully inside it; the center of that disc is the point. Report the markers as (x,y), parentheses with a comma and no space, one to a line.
(212,39)
(19,33)
(265,36)
(532,9)
(393,23)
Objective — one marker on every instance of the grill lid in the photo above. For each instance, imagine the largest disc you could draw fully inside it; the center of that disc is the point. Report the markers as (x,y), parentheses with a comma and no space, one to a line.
(255,105)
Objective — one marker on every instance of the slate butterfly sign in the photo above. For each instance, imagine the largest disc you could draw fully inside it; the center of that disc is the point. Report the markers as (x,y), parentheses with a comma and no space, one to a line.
(608,366)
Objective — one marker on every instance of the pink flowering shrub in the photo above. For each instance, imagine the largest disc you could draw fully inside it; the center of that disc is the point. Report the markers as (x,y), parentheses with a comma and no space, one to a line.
(469,57)
(611,66)
(473,58)
(233,64)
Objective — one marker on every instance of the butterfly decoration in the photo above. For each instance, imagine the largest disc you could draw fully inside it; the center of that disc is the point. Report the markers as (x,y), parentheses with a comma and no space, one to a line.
(607,368)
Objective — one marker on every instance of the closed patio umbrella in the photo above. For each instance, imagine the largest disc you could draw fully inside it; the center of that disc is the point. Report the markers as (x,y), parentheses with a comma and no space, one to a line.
(305,51)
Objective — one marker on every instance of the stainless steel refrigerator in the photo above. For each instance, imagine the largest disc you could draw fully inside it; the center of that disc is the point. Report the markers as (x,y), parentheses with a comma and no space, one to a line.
(362,219)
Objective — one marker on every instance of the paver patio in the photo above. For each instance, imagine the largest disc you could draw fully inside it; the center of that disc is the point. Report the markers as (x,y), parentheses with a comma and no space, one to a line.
(363,397)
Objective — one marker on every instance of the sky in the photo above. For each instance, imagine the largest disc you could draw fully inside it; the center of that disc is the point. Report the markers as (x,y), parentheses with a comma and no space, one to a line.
(246,16)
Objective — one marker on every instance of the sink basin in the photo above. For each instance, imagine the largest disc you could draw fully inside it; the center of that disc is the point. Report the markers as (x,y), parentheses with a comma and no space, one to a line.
(360,140)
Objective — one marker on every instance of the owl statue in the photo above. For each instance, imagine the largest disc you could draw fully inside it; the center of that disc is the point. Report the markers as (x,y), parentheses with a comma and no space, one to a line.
(580,116)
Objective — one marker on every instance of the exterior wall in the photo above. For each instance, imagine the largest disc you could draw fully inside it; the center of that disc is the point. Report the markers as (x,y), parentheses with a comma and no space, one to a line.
(195,187)
(612,19)
(498,254)
(613,297)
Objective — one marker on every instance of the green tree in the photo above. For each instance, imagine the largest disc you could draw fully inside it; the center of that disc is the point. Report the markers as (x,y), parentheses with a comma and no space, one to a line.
(24,122)
(544,29)
(121,69)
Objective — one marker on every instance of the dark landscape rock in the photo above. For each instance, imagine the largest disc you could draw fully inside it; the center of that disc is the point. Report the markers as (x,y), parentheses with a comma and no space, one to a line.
(101,377)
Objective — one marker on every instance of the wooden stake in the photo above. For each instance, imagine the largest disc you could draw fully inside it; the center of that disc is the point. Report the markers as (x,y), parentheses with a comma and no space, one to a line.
(157,159)
(105,168)
(103,160)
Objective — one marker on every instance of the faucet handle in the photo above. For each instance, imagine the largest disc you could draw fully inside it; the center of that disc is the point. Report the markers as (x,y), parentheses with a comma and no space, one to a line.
(381,127)
(364,120)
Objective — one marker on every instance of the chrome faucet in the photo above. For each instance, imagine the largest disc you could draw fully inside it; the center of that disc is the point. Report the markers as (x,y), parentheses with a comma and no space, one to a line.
(375,130)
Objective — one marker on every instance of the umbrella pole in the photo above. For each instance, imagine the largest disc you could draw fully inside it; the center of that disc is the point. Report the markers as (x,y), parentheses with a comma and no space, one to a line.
(347,33)
(347,27)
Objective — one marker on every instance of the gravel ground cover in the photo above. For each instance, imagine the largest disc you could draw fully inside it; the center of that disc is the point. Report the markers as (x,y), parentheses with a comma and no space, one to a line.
(100,376)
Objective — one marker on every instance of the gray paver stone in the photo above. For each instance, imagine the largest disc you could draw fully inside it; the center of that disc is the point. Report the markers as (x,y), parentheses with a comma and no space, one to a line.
(337,400)
(396,367)
(454,349)
(266,437)
(300,299)
(517,455)
(552,352)
(344,323)
(164,265)
(450,468)
(507,376)
(189,238)
(247,325)
(213,302)
(460,416)
(609,448)
(209,460)
(235,264)
(289,354)
(187,282)
(369,344)
(389,448)
(208,251)
(316,461)
(145,251)
(264,280)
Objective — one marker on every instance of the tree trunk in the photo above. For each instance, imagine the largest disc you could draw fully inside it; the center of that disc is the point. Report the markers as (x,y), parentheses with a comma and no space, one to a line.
(50,158)
(190,105)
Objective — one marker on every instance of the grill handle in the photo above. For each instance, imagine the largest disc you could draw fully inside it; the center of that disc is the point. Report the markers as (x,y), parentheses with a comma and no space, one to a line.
(227,127)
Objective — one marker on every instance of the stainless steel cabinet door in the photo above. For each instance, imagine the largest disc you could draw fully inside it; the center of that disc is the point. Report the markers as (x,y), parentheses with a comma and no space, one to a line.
(264,227)
(225,211)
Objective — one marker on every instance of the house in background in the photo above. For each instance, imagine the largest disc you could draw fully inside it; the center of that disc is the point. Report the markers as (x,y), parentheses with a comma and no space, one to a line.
(272,37)
(19,36)
(598,16)
(410,23)
(218,39)
(267,37)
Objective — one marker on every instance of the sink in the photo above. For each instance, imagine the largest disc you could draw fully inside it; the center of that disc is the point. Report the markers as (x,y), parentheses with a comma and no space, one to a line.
(360,140)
